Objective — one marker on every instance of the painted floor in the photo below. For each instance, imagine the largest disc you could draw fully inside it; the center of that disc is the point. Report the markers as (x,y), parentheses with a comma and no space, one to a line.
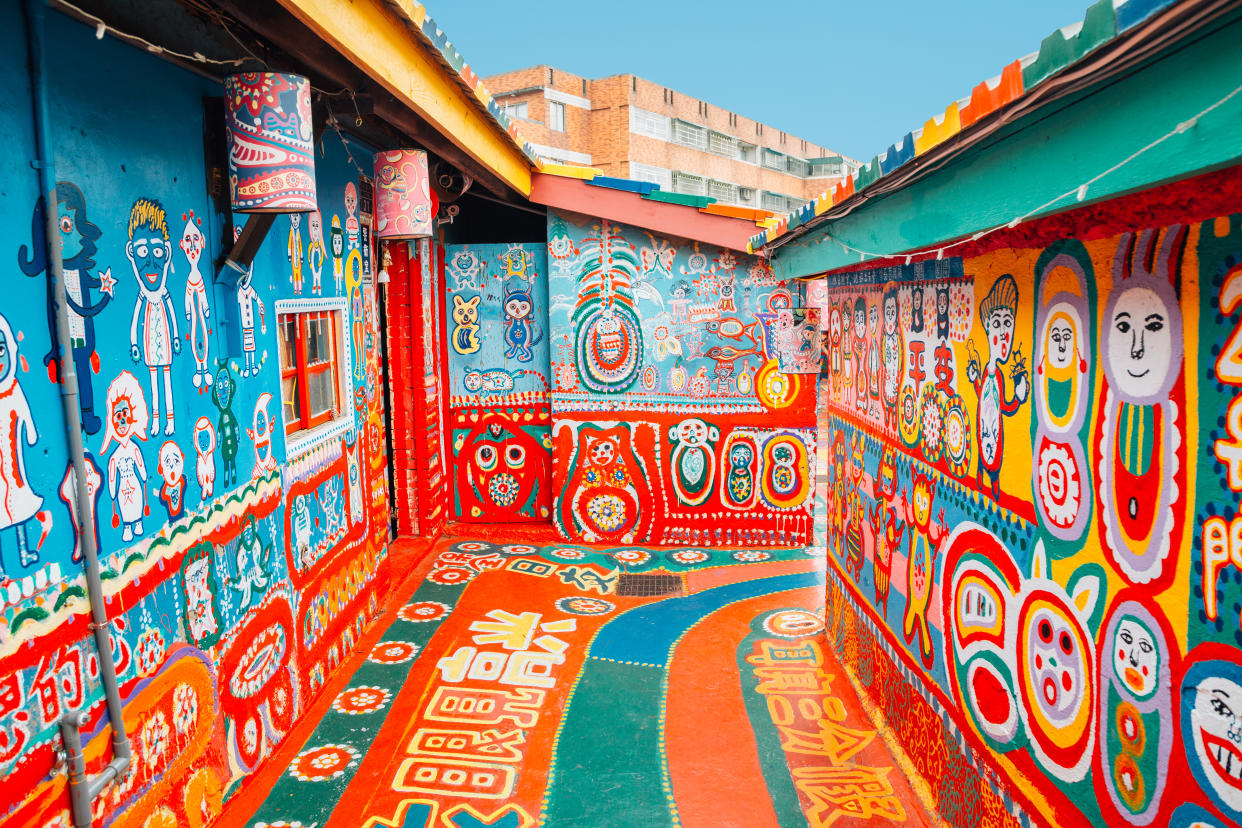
(576,687)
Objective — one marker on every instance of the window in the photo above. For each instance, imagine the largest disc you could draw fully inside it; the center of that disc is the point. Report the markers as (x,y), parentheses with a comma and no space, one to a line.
(654,175)
(774,202)
(746,195)
(556,116)
(647,123)
(516,110)
(687,183)
(722,191)
(310,368)
(721,144)
(773,160)
(797,166)
(746,152)
(690,135)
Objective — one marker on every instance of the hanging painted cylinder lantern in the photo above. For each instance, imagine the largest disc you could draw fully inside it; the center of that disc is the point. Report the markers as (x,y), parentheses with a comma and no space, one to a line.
(797,344)
(404,202)
(271,143)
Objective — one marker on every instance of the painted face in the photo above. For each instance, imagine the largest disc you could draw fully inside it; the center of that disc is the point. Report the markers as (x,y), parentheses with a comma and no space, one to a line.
(918,298)
(172,463)
(204,436)
(517,307)
(473,381)
(1000,333)
(70,238)
(1136,661)
(351,198)
(150,256)
(338,239)
(602,452)
(248,531)
(1060,346)
(691,433)
(1138,342)
(192,242)
(874,313)
(315,225)
(1216,725)
(741,455)
(942,302)
(295,220)
(6,359)
(924,492)
(1055,664)
(834,325)
(122,419)
(890,314)
(224,387)
(860,320)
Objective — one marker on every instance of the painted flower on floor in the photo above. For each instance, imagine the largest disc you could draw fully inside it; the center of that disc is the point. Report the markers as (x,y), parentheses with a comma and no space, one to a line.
(473,546)
(325,762)
(185,708)
(393,652)
(359,700)
(689,557)
(568,554)
(634,557)
(424,611)
(577,605)
(793,623)
(751,555)
(450,575)
(518,549)
(154,739)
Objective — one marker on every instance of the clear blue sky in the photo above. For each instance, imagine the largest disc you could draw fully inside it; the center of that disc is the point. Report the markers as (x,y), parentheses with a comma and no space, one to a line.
(855,76)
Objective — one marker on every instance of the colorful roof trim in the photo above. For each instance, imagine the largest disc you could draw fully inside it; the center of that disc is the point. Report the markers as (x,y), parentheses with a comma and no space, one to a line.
(1102,22)
(425,25)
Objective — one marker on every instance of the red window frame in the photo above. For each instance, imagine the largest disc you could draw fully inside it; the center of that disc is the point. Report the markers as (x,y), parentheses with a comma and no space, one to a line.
(303,371)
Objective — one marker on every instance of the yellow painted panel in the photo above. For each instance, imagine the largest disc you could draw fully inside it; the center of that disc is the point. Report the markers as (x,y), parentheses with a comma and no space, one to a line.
(569,170)
(378,42)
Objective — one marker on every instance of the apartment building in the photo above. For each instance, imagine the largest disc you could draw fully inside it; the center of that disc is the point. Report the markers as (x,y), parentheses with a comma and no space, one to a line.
(632,128)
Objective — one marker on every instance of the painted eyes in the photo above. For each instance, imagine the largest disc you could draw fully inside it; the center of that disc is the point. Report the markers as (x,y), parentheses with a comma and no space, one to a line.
(1045,632)
(66,224)
(515,456)
(485,456)
(1155,323)
(1067,643)
(1220,708)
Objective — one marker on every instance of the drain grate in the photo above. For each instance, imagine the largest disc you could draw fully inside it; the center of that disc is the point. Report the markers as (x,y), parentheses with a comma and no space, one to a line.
(649,586)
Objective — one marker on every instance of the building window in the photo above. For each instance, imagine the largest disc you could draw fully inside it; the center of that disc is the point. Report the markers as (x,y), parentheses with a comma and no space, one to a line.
(690,135)
(722,191)
(310,368)
(688,184)
(746,152)
(773,160)
(721,144)
(556,116)
(653,175)
(647,123)
(798,167)
(775,203)
(516,110)
(746,195)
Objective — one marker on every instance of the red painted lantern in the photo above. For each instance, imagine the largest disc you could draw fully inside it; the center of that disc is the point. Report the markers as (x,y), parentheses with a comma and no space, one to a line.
(404,203)
(271,147)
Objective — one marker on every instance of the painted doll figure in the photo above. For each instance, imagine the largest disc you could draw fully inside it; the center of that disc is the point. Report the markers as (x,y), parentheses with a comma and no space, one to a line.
(197,310)
(860,354)
(205,465)
(150,256)
(874,369)
(293,250)
(925,537)
(251,558)
(171,469)
(855,510)
(77,246)
(998,313)
(521,331)
(261,434)
(834,350)
(351,213)
(247,300)
(18,502)
(227,428)
(127,472)
(315,252)
(338,255)
(887,528)
(1062,365)
(892,358)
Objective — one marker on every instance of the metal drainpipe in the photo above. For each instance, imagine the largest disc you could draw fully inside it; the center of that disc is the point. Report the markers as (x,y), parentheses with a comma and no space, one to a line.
(82,788)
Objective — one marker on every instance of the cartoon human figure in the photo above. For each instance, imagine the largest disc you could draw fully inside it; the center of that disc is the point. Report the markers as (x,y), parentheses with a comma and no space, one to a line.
(18,502)
(351,212)
(127,472)
(77,247)
(860,354)
(171,469)
(916,310)
(197,309)
(925,537)
(150,256)
(315,252)
(300,520)
(338,254)
(251,559)
(998,313)
(69,496)
(680,300)
(942,311)
(886,526)
(834,349)
(892,358)
(1062,365)
(204,446)
(227,428)
(1142,346)
(855,511)
(293,250)
(247,300)
(521,332)
(261,434)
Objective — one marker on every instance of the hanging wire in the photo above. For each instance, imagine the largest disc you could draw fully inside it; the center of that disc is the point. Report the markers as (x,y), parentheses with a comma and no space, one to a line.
(102,28)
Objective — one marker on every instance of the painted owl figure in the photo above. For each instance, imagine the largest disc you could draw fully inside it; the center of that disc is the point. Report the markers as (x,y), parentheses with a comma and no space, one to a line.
(693,460)
(499,471)
(521,332)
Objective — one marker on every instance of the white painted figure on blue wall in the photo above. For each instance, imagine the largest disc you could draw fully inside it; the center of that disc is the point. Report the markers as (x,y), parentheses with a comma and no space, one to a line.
(247,302)
(171,469)
(252,578)
(77,244)
(315,252)
(338,254)
(227,429)
(197,308)
(521,330)
(19,503)
(294,251)
(205,464)
(127,472)
(261,433)
(153,333)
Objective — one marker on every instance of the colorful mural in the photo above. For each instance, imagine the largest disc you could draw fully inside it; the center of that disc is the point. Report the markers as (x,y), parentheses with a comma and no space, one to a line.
(666,392)
(1016,510)
(239,566)
(497,376)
